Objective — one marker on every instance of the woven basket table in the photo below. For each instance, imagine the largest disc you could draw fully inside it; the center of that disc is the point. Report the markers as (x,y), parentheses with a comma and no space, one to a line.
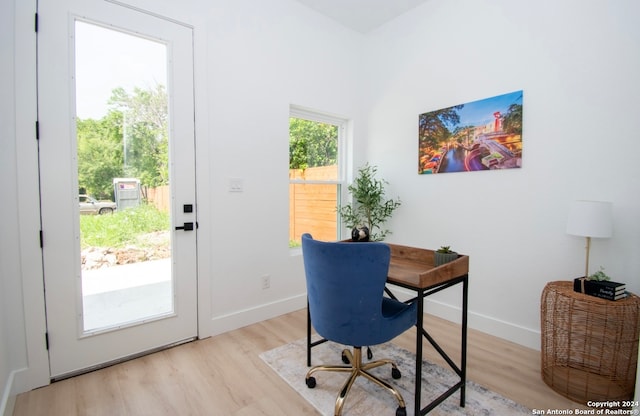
(589,345)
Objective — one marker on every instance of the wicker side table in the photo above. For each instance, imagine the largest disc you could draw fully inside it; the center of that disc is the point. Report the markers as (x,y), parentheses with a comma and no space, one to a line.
(589,345)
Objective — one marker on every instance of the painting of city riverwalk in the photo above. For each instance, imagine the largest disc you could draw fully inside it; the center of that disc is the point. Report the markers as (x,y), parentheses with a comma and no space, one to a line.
(479,135)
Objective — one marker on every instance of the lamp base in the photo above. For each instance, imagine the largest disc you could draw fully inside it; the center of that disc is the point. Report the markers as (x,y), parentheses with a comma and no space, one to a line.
(588,248)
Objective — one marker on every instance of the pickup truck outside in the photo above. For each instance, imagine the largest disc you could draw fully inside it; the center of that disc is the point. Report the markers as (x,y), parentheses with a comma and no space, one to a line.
(91,206)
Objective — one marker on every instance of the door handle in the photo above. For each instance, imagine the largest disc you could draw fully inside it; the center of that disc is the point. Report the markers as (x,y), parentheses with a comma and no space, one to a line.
(187,226)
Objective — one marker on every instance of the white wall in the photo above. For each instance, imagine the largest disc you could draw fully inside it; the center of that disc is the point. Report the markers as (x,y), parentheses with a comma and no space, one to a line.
(578,64)
(12,339)
(23,358)
(262,57)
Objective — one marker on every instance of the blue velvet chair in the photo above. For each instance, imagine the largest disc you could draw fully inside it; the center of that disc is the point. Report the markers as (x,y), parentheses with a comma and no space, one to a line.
(345,287)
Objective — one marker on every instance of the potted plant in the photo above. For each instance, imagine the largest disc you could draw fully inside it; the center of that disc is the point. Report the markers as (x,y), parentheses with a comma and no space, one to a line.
(444,255)
(599,276)
(370,210)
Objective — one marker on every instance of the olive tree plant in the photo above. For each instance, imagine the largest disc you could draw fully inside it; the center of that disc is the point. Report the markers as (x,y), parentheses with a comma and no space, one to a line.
(369,207)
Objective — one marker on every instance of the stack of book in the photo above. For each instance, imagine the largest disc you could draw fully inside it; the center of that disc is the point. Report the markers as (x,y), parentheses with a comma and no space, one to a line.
(601,288)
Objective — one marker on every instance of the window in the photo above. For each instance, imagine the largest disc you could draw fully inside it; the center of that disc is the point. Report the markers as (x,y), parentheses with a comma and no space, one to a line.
(315,174)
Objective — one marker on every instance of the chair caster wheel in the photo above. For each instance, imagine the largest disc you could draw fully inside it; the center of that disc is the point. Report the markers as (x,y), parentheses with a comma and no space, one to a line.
(395,373)
(369,353)
(401,411)
(345,359)
(311,382)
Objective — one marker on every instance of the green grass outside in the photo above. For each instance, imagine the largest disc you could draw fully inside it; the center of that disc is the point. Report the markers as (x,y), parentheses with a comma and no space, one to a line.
(122,227)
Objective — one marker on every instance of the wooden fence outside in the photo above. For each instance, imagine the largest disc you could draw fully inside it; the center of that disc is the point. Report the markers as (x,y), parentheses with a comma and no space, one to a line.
(159,197)
(313,207)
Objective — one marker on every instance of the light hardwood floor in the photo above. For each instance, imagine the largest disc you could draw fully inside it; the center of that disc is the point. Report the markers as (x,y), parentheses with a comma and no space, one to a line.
(223,375)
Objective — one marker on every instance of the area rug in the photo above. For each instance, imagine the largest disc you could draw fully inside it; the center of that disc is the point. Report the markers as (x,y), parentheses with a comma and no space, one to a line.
(367,399)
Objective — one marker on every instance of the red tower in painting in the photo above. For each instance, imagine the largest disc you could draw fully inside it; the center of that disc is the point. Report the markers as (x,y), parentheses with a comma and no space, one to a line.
(497,125)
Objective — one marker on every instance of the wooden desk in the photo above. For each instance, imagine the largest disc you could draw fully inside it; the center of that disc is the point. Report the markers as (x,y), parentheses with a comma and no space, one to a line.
(413,269)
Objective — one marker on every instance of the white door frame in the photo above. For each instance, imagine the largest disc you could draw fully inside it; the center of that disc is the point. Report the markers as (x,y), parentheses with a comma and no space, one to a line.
(32,360)
(71,349)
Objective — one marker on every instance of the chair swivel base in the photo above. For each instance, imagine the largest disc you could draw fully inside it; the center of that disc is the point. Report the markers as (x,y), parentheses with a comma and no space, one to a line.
(358,368)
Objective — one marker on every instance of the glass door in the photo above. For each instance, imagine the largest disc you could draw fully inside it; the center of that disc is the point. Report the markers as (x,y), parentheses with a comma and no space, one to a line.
(117,183)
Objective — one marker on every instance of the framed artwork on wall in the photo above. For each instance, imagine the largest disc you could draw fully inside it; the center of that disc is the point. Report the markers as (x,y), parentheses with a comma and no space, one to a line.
(479,135)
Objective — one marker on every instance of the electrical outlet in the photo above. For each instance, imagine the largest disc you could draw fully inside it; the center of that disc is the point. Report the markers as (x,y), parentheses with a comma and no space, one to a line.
(266,281)
(236,185)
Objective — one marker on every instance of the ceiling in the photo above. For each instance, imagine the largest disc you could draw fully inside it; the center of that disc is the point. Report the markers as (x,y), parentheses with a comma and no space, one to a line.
(362,15)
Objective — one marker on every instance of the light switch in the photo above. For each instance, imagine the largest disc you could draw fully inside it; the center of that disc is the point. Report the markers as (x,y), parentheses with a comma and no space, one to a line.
(236,185)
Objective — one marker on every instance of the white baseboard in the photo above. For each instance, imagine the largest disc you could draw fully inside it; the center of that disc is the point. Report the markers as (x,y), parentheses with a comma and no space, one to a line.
(492,326)
(8,399)
(506,330)
(242,318)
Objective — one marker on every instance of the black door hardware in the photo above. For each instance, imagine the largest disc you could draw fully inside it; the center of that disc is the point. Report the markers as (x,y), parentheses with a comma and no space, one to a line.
(188,226)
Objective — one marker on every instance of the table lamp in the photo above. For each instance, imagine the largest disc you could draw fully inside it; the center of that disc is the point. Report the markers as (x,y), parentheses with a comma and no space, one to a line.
(590,219)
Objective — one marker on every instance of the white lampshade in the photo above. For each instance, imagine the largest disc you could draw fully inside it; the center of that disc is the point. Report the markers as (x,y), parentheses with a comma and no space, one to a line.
(590,219)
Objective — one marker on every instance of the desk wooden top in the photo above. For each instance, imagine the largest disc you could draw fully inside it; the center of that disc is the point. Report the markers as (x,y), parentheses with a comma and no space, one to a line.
(414,267)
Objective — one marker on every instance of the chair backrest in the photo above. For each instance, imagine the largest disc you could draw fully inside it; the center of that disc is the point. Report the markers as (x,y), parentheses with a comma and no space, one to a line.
(345,286)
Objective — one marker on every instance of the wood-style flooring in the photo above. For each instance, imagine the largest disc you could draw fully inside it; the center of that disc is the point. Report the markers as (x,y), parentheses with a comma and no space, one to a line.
(223,375)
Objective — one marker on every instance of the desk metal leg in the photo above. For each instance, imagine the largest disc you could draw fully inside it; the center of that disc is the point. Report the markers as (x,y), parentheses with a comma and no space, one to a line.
(419,326)
(308,335)
(423,334)
(463,358)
